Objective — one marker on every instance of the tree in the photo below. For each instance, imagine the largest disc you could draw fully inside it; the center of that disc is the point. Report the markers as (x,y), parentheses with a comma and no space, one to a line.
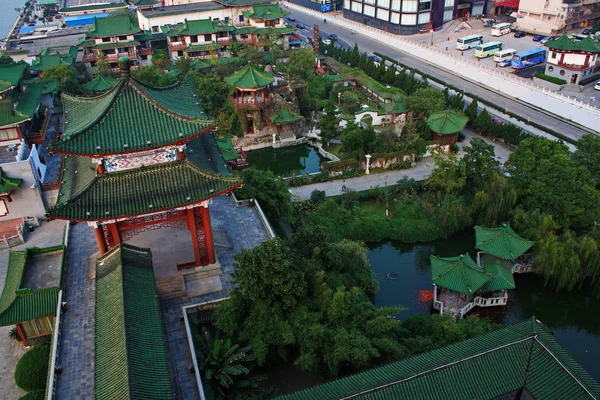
(357,141)
(127,13)
(66,77)
(349,102)
(301,64)
(183,64)
(354,57)
(271,191)
(483,122)
(545,177)
(160,58)
(102,67)
(471,110)
(588,154)
(480,163)
(329,123)
(427,101)
(448,177)
(213,93)
(254,55)
(153,76)
(5,59)
(493,204)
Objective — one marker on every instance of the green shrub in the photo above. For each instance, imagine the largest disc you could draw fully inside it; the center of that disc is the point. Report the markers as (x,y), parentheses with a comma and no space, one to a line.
(551,79)
(32,369)
(39,394)
(13,334)
(455,148)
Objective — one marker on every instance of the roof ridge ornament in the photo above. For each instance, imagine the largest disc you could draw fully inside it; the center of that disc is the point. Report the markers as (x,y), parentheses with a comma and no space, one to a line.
(125,67)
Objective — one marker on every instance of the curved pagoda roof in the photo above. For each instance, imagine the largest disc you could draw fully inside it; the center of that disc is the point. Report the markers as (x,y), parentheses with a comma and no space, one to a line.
(285,116)
(501,242)
(250,77)
(85,195)
(7,184)
(11,75)
(447,122)
(131,117)
(100,84)
(459,274)
(501,272)
(112,26)
(567,44)
(266,11)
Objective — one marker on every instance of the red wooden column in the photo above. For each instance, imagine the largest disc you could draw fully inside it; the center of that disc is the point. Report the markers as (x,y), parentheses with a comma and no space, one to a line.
(210,246)
(22,335)
(100,239)
(116,235)
(192,227)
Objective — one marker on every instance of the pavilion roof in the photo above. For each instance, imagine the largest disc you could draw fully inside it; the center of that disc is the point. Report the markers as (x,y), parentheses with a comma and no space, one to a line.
(447,122)
(266,11)
(112,26)
(285,116)
(86,196)
(44,60)
(100,84)
(502,277)
(566,43)
(11,75)
(459,274)
(227,149)
(7,184)
(130,355)
(489,366)
(131,117)
(21,106)
(501,242)
(196,27)
(250,77)
(19,303)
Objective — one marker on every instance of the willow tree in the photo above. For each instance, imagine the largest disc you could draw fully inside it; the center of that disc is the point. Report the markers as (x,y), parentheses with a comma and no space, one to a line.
(493,204)
(558,262)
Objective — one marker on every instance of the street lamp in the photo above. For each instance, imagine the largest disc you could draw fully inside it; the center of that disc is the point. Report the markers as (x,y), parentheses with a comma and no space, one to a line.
(339,98)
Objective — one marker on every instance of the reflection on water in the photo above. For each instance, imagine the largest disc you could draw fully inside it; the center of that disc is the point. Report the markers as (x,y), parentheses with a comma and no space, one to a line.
(286,161)
(573,317)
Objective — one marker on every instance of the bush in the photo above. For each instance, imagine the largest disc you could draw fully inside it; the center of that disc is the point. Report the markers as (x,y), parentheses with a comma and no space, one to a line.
(551,79)
(32,369)
(461,136)
(455,148)
(317,196)
(13,334)
(35,395)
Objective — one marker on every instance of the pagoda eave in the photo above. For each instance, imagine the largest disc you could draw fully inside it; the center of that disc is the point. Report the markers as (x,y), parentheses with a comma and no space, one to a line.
(157,211)
(112,153)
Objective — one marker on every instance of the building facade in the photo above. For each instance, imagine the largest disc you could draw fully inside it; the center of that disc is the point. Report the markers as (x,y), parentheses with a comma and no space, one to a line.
(555,16)
(574,61)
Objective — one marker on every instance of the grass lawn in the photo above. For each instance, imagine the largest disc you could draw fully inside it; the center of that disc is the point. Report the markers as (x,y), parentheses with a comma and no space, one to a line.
(378,208)
(337,150)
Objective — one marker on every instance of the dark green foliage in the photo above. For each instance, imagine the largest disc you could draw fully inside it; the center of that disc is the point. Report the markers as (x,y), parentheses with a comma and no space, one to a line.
(160,58)
(480,163)
(318,196)
(358,141)
(35,395)
(66,77)
(483,122)
(427,101)
(32,369)
(213,93)
(329,123)
(153,76)
(300,65)
(471,110)
(271,192)
(6,59)
(494,202)
(588,154)
(13,334)
(551,79)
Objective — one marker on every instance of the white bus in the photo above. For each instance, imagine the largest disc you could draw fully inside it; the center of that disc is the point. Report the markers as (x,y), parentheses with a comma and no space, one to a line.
(501,29)
(488,49)
(468,42)
(504,55)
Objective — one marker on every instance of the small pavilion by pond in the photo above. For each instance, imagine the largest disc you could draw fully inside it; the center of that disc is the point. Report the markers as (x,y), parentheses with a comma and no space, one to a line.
(446,125)
(285,120)
(30,296)
(460,284)
(503,245)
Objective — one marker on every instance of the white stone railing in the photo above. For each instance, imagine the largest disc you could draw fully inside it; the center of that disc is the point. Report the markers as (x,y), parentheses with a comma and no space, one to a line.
(261,214)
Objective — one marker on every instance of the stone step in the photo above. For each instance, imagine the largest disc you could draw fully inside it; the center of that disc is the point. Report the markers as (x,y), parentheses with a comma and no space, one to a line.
(170,288)
(221,240)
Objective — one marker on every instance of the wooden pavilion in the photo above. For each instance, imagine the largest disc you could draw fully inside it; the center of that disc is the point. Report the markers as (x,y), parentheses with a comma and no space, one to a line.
(446,125)
(285,121)
(504,245)
(137,156)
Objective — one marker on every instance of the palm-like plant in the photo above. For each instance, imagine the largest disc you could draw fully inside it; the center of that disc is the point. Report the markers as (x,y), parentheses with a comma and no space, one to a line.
(227,367)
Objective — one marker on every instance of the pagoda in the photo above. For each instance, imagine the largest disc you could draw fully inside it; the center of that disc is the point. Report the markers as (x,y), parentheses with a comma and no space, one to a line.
(504,245)
(446,125)
(285,121)
(136,156)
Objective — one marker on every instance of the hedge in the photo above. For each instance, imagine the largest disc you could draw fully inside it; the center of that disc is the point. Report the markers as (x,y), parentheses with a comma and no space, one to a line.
(35,395)
(482,101)
(551,79)
(32,369)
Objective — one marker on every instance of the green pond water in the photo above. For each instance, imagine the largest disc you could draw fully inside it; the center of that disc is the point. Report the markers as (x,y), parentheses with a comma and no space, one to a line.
(573,317)
(286,161)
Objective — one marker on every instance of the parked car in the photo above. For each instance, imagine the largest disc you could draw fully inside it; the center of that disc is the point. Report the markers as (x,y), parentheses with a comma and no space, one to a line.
(300,26)
(520,34)
(333,36)
(504,63)
(538,38)
(327,41)
(291,19)
(586,31)
(374,58)
(545,40)
(597,86)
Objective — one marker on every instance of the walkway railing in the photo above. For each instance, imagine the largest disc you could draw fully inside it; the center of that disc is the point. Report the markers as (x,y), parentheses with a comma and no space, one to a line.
(261,214)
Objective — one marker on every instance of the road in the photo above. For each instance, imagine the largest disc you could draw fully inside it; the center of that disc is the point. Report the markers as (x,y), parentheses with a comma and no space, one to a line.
(370,45)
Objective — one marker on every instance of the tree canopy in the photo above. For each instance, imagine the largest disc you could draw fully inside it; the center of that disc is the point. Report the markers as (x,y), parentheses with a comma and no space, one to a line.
(301,64)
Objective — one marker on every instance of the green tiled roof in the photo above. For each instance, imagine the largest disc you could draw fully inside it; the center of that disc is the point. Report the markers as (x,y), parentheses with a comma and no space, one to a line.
(19,303)
(144,2)
(26,104)
(501,272)
(7,184)
(85,196)
(489,366)
(267,11)
(86,42)
(196,27)
(11,75)
(501,242)
(131,117)
(227,149)
(285,116)
(100,84)
(245,29)
(250,77)
(131,358)
(43,62)
(115,45)
(203,47)
(459,274)
(566,43)
(447,122)
(282,30)
(112,26)
(144,35)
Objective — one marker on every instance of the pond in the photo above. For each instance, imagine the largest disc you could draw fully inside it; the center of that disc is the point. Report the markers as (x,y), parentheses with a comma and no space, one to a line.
(573,317)
(286,161)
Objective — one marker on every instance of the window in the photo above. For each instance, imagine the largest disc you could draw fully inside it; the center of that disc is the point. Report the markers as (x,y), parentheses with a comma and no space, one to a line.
(347,4)
(396,5)
(553,54)
(369,2)
(448,15)
(449,3)
(369,10)
(155,29)
(357,7)
(180,53)
(122,37)
(3,208)
(395,19)
(241,18)
(383,3)
(550,69)
(9,134)
(383,14)
(408,19)
(424,5)
(208,38)
(409,6)
(144,58)
(562,72)
(424,18)
(226,20)
(194,39)
(105,39)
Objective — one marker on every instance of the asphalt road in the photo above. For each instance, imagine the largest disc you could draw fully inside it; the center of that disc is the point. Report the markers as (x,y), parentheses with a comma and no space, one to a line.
(370,45)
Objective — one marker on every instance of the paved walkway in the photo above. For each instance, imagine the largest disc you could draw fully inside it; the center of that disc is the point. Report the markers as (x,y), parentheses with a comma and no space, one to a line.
(49,234)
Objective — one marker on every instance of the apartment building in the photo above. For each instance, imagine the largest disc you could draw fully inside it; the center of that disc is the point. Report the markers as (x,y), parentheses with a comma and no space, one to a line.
(546,17)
